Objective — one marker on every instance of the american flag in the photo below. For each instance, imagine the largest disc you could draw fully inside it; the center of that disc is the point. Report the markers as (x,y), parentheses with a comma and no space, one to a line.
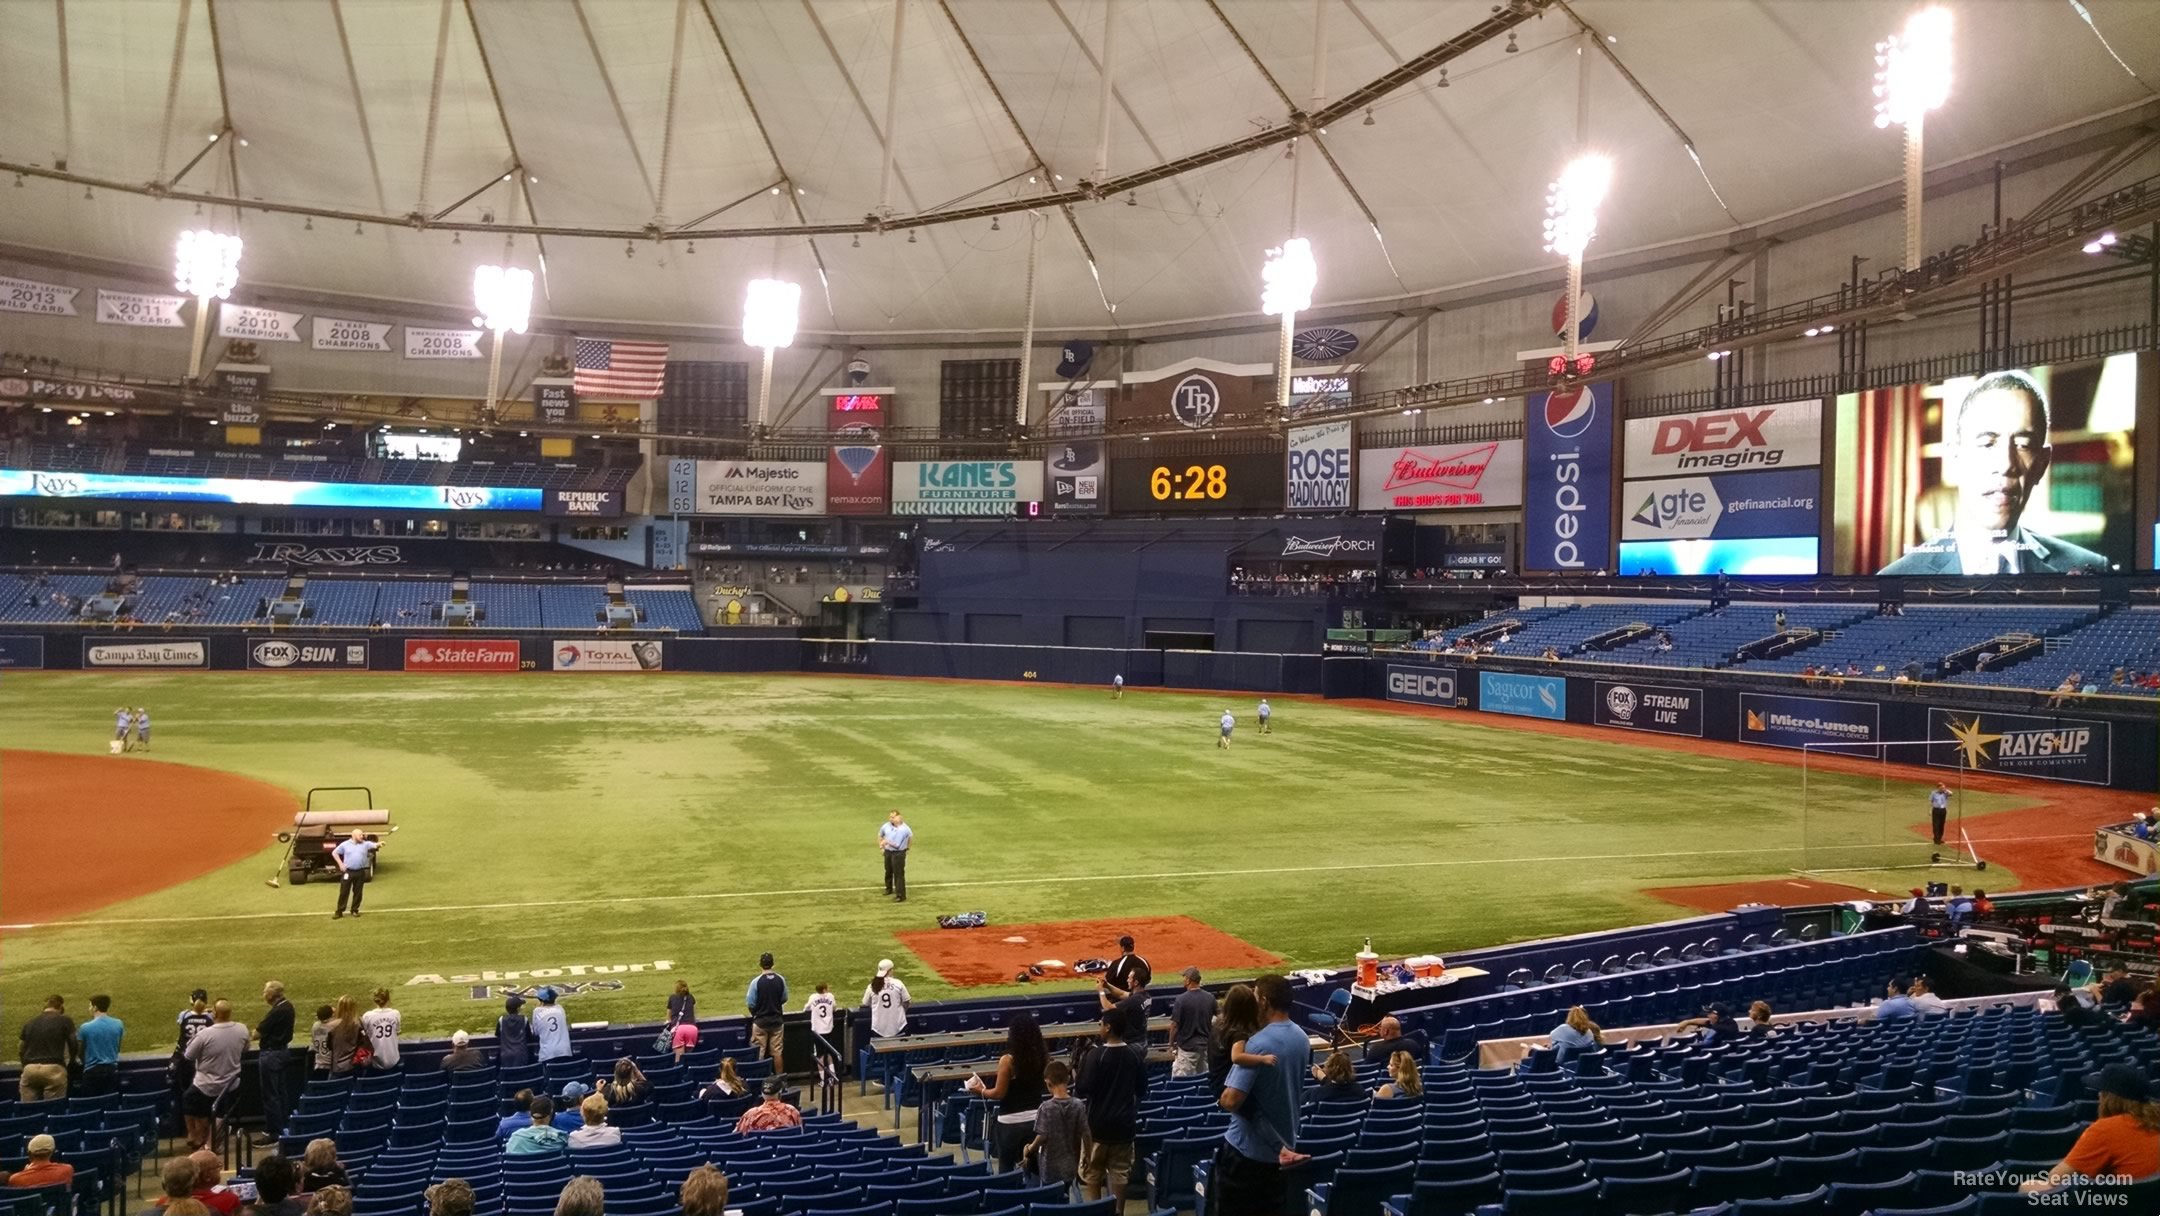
(631,370)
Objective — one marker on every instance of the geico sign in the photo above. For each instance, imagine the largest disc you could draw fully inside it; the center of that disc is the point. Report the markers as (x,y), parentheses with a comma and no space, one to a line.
(1424,686)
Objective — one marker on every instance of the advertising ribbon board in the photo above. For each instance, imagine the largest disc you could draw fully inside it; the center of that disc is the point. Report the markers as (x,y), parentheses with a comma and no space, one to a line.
(1318,467)
(1421,685)
(462,654)
(164,653)
(1776,720)
(307,654)
(36,483)
(1501,692)
(1786,436)
(1653,707)
(1440,476)
(2023,745)
(607,654)
(965,487)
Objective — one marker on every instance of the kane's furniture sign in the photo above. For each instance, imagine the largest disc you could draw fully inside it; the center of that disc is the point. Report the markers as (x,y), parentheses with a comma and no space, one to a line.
(965,487)
(1440,476)
(759,487)
(2058,749)
(462,654)
(166,653)
(307,654)
(1319,468)
(606,654)
(1421,685)
(1651,707)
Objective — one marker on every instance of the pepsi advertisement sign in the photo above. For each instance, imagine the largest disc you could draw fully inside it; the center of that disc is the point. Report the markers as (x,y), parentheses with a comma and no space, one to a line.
(1775,720)
(1567,479)
(1501,692)
(1421,685)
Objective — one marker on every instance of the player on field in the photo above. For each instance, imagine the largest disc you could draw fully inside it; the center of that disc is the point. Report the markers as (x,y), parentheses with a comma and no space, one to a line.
(1264,712)
(1117,687)
(142,729)
(122,722)
(1228,723)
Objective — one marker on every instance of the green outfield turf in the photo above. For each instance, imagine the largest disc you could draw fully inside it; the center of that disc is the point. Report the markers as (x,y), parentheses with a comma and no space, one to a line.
(558,821)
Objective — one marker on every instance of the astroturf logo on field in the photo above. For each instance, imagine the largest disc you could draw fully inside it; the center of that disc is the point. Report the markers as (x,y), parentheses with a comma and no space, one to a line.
(571,970)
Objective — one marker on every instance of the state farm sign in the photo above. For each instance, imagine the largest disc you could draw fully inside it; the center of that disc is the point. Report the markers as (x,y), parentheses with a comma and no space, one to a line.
(1783,436)
(1443,476)
(462,654)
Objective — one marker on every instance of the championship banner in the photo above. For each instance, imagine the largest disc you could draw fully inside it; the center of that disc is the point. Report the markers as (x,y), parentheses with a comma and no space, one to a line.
(1776,720)
(1318,468)
(441,343)
(1782,503)
(2022,745)
(307,654)
(147,654)
(583,504)
(1501,692)
(1440,476)
(336,333)
(554,400)
(1421,685)
(136,308)
(1075,473)
(1720,441)
(1567,489)
(965,487)
(22,651)
(682,487)
(45,299)
(855,476)
(458,654)
(1652,707)
(257,324)
(588,654)
(760,487)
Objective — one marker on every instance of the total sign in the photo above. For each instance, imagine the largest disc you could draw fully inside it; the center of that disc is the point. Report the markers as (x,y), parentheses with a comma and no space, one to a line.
(1736,505)
(1762,437)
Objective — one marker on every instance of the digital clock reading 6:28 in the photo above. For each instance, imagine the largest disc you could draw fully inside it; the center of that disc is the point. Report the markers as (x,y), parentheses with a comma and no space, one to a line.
(1192,482)
(1204,483)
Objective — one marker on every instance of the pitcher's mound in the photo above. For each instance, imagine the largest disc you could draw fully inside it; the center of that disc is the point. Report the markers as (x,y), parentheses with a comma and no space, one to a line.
(1170,944)
(1785,892)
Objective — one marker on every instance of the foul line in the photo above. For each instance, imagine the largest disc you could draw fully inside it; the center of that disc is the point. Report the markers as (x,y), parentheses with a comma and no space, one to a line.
(1037,880)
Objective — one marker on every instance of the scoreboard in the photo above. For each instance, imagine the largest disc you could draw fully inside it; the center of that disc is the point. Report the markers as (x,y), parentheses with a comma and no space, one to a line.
(1197,484)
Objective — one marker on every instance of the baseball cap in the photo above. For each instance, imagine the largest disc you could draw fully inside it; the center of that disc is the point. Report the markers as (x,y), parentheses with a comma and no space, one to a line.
(884,966)
(199,995)
(575,1090)
(2122,1080)
(513,1002)
(546,995)
(1191,973)
(40,1143)
(460,1039)
(773,1085)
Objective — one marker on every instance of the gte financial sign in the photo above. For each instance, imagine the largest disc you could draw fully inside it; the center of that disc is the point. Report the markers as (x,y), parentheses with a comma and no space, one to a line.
(1763,437)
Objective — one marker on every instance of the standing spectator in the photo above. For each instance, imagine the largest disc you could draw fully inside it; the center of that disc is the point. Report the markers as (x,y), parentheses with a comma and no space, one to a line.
(1112,1081)
(583,1196)
(551,1028)
(275,1180)
(1237,1021)
(345,1036)
(887,1000)
(48,1047)
(189,1024)
(41,1169)
(541,1136)
(628,1086)
(682,1040)
(1263,1102)
(463,1056)
(770,1114)
(381,1025)
(681,1005)
(319,1041)
(216,1054)
(1128,973)
(273,1062)
(354,858)
(766,999)
(1132,1013)
(1017,1088)
(319,1165)
(704,1192)
(895,837)
(1060,1128)
(1190,1016)
(595,1133)
(822,1007)
(100,1039)
(1939,809)
(513,1034)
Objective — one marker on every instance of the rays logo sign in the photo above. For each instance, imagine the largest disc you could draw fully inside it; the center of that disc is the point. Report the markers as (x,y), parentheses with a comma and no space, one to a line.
(1567,491)
(2058,749)
(1195,401)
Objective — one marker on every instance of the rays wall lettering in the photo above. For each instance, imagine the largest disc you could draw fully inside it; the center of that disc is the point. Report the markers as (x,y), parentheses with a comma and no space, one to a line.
(531,992)
(571,970)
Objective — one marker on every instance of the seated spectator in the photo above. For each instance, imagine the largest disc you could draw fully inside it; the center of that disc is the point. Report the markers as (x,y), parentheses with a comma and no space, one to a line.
(176,1184)
(210,1186)
(2117,988)
(727,1085)
(463,1056)
(42,1170)
(582,1196)
(275,1179)
(1716,1025)
(1923,998)
(331,1201)
(704,1192)
(1576,1035)
(770,1114)
(1337,1079)
(320,1167)
(1392,1039)
(1983,907)
(1758,1017)
(1403,1078)
(451,1197)
(628,1086)
(1918,905)
(1895,1005)
(2124,1142)
(2145,1010)
(2075,1008)
(567,1119)
(521,1102)
(595,1133)
(540,1136)
(184,1207)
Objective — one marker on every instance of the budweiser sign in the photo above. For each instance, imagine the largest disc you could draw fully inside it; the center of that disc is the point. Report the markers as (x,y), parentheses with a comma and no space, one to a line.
(441,654)
(1440,477)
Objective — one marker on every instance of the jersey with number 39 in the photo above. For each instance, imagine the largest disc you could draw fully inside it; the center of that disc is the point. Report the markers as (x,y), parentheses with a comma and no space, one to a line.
(381,1028)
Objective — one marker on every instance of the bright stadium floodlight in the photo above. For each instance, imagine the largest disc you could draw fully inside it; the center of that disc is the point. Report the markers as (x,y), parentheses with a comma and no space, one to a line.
(1287,280)
(503,294)
(1571,214)
(206,265)
(1912,77)
(769,309)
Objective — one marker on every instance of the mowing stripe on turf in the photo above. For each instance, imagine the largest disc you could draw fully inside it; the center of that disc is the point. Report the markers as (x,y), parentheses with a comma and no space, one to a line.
(1032,880)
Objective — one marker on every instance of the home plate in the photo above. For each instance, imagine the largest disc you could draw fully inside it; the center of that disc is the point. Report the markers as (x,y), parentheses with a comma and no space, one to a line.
(1016,940)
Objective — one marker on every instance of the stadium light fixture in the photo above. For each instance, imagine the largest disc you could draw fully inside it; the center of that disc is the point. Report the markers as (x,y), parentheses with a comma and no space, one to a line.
(503,294)
(769,311)
(1571,215)
(206,265)
(1287,280)
(1912,77)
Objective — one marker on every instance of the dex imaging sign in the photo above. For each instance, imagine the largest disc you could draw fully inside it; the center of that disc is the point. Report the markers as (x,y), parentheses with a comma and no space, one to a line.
(1722,441)
(1421,685)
